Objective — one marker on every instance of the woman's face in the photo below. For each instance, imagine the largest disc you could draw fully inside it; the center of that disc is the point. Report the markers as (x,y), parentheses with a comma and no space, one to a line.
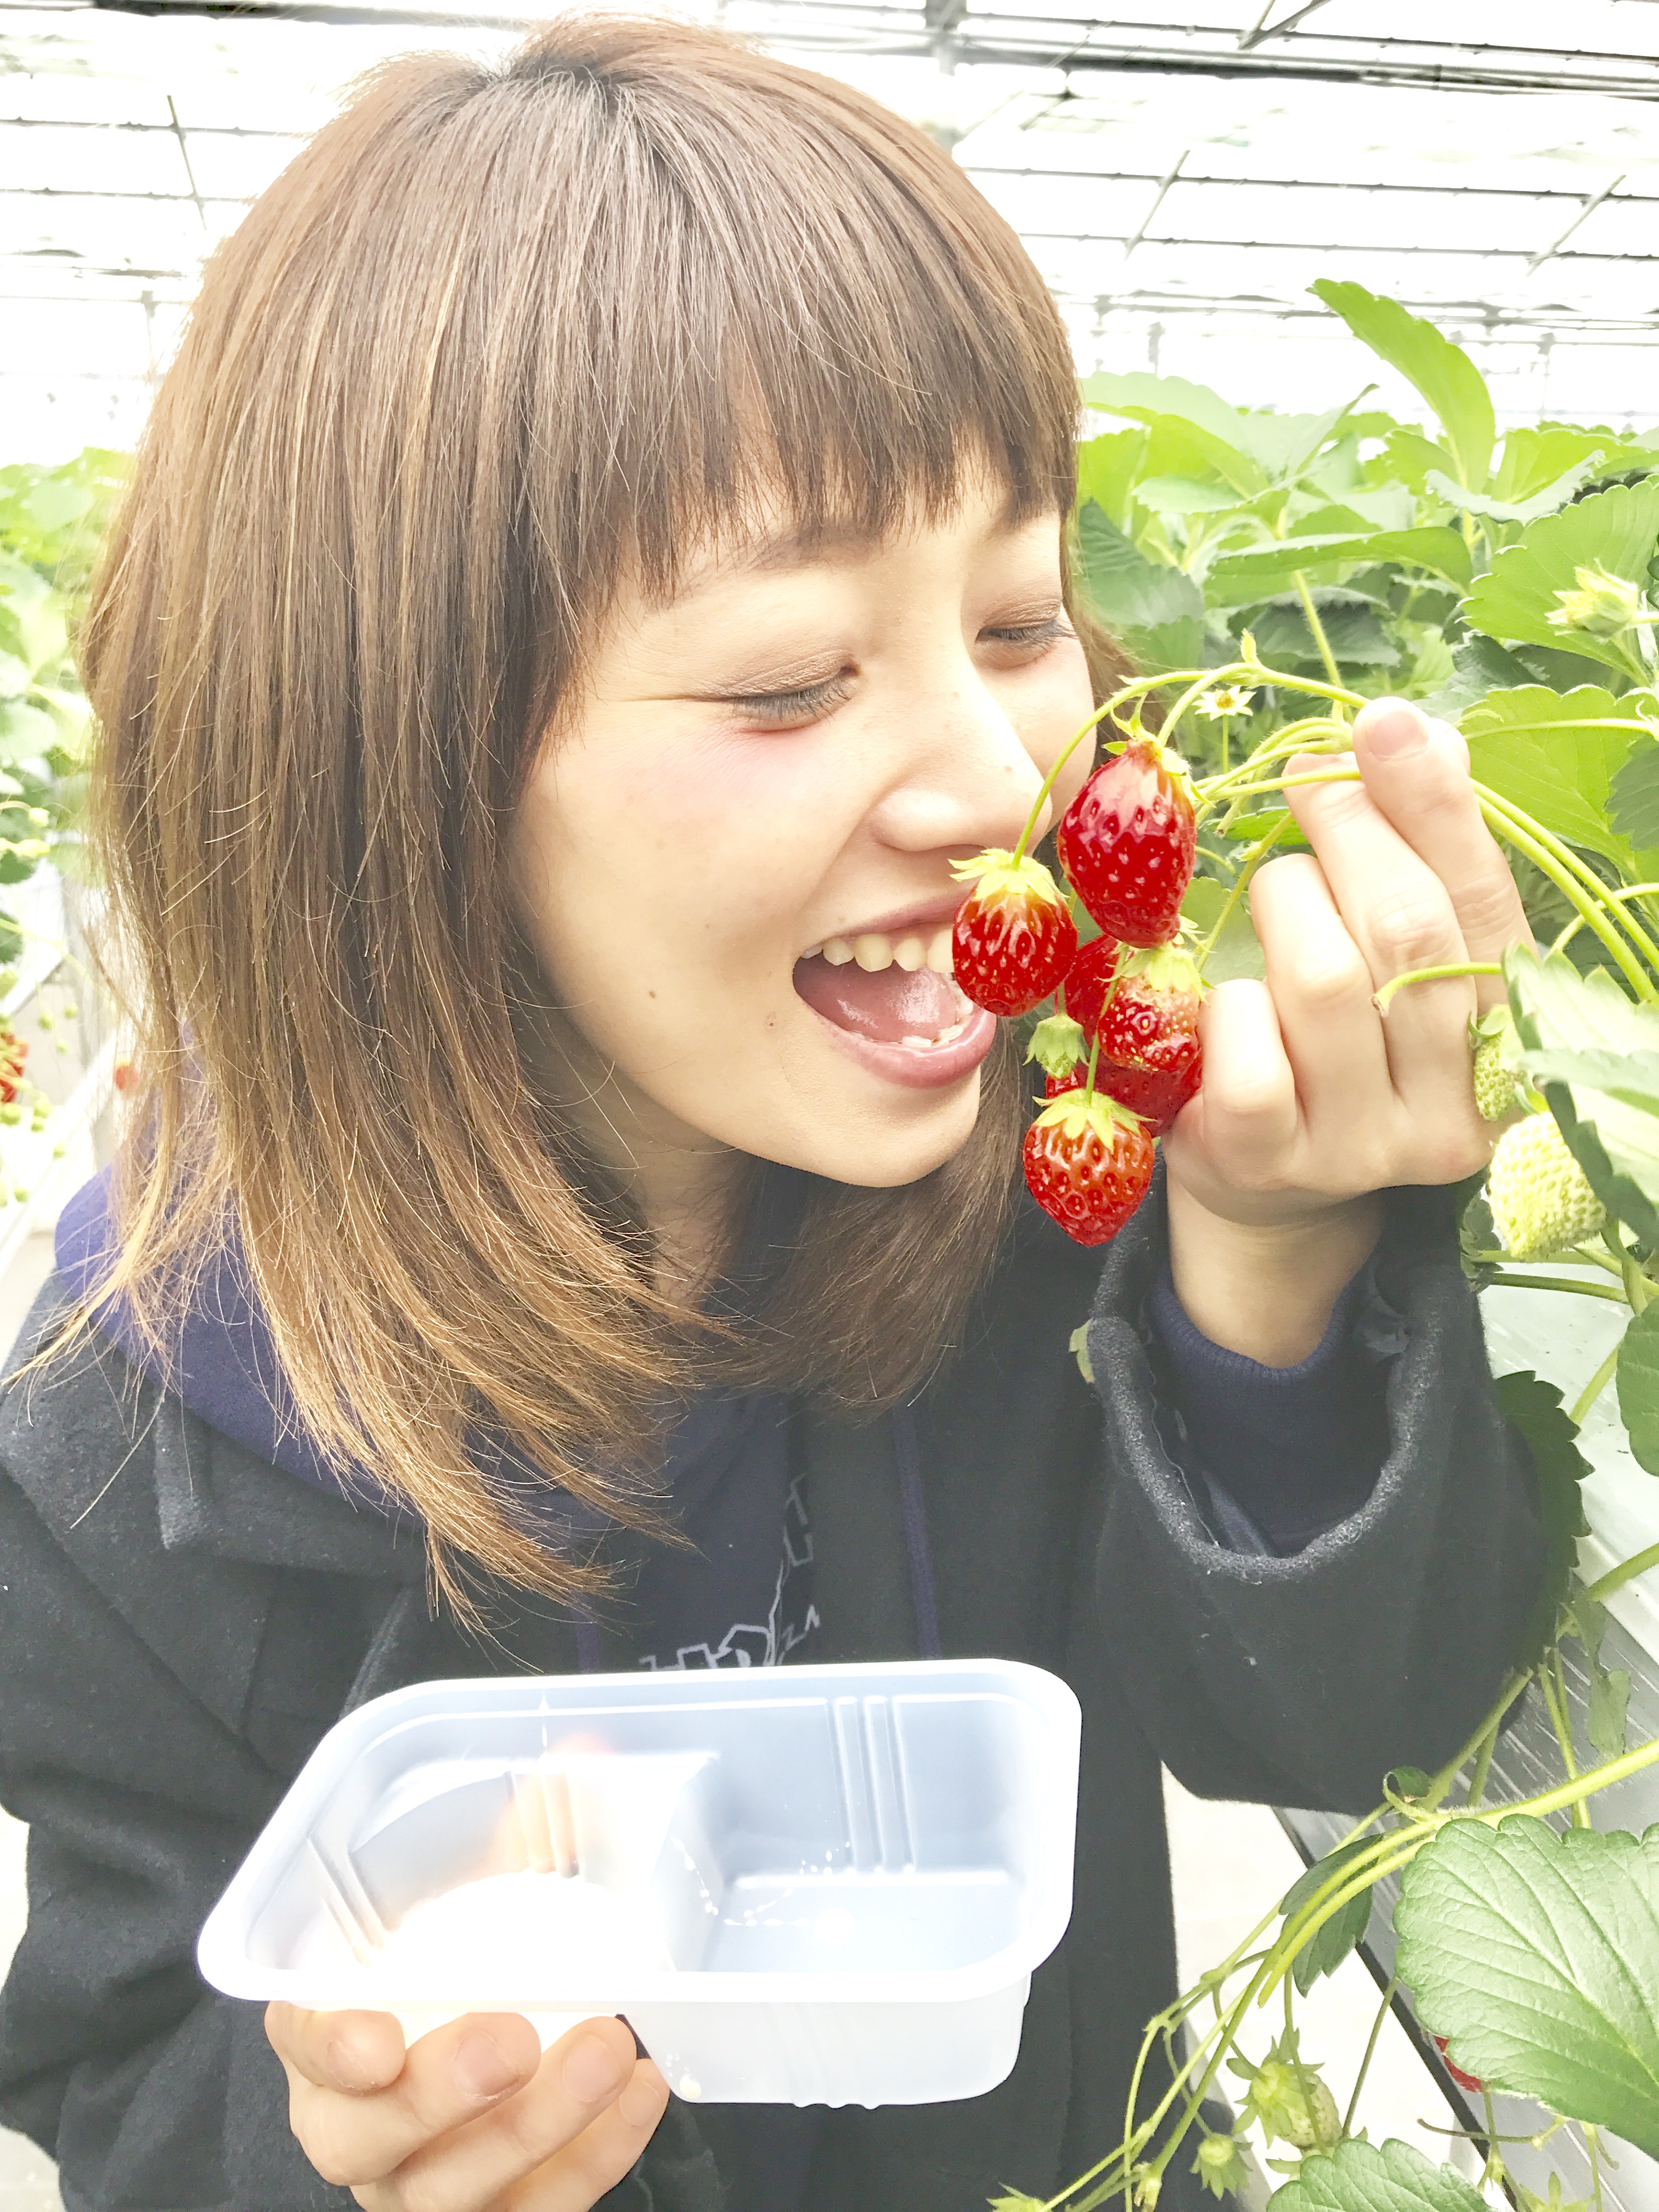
(735,862)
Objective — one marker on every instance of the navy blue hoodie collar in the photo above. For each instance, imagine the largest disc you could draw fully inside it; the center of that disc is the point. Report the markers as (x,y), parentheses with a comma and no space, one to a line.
(222,1363)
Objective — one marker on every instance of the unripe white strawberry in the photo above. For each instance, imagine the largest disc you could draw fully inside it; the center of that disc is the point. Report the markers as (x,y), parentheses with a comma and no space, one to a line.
(1494,1085)
(1497,1089)
(1540,1198)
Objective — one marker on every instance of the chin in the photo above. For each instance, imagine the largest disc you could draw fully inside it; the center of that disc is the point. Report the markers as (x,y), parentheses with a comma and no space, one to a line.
(887,1152)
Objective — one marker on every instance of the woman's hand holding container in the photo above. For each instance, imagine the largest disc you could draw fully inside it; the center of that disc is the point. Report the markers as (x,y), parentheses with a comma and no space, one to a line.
(475,2117)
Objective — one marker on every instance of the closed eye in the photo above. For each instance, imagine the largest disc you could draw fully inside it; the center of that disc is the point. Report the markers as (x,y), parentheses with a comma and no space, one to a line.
(1032,636)
(795,709)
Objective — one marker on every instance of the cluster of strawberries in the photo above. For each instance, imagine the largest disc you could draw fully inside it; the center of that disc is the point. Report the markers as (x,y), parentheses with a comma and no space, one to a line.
(1121,1053)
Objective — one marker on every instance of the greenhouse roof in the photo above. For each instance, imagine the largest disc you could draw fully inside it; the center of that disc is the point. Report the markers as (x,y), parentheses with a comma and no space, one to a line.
(1179,174)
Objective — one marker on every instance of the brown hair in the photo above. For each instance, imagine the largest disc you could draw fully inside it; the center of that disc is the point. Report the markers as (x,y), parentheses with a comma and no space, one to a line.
(494,336)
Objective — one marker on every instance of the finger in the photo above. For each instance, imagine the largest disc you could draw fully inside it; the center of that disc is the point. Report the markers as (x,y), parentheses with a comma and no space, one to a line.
(352,2051)
(447,2079)
(1400,913)
(1417,772)
(1322,994)
(602,2154)
(1242,1126)
(470,2167)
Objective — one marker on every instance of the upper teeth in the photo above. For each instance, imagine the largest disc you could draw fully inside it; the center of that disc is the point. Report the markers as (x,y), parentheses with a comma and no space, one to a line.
(873,951)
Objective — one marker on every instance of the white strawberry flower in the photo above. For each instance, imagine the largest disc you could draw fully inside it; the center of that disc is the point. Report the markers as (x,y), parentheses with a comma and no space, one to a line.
(1225,699)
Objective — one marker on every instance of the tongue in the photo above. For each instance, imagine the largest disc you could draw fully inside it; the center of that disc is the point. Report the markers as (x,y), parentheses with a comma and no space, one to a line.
(887,1006)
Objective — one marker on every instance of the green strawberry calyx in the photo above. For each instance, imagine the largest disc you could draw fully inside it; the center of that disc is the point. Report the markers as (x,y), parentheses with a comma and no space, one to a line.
(1057,1044)
(999,874)
(1163,967)
(1075,1112)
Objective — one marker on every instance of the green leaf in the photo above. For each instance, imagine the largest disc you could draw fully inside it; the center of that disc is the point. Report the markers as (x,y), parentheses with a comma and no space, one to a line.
(1523,745)
(1537,1956)
(26,732)
(1353,628)
(1544,501)
(1126,587)
(1249,827)
(1535,457)
(1185,495)
(1442,372)
(1214,431)
(1330,1945)
(1634,811)
(1515,598)
(1106,468)
(1479,665)
(1606,1721)
(1362,2177)
(1239,579)
(1639,1384)
(1535,1411)
(1409,455)
(1237,950)
(1616,1143)
(37,624)
(1156,611)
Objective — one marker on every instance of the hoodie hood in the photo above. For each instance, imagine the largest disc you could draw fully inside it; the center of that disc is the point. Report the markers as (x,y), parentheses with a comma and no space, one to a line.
(222,1362)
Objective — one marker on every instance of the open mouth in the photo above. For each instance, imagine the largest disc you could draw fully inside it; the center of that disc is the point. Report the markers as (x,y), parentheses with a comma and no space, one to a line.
(888,991)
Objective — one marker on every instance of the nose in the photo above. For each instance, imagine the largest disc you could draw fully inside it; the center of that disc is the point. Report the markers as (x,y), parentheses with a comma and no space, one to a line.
(967,780)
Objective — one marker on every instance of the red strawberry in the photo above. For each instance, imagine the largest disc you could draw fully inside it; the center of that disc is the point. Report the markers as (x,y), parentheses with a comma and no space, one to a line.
(1127,843)
(1089,978)
(1088,1162)
(1014,936)
(1145,1011)
(1463,2081)
(1057,1086)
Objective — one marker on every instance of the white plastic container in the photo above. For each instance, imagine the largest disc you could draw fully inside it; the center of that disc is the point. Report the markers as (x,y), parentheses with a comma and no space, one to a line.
(805,1885)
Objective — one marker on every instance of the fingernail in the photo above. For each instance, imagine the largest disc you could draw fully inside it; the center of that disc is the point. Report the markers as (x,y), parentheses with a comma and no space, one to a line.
(1397,736)
(592,2071)
(482,2068)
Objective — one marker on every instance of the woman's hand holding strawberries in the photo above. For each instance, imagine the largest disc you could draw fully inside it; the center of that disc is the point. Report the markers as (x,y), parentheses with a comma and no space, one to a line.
(1312,1101)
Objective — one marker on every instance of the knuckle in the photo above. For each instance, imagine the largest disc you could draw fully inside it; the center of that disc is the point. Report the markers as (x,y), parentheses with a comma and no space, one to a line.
(1408,929)
(424,2189)
(1448,1155)
(1334,977)
(1489,903)
(1250,1099)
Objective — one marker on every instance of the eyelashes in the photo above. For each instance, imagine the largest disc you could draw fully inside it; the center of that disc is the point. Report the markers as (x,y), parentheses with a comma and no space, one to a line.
(810,702)
(787,709)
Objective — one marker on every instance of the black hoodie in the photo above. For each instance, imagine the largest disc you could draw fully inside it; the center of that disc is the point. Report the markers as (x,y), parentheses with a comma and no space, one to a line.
(180,1621)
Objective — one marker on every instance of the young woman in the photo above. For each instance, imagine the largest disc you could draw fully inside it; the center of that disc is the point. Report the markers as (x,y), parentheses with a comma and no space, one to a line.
(601,543)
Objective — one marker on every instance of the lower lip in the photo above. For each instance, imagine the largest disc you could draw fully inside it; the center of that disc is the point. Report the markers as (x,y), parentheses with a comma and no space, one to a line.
(919,1067)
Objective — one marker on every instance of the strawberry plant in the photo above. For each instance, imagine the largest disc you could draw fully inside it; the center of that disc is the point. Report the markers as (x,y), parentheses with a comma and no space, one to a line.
(1271,572)
(51,522)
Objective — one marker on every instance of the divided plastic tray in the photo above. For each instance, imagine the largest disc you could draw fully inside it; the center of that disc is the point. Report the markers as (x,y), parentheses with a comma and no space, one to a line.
(810,1884)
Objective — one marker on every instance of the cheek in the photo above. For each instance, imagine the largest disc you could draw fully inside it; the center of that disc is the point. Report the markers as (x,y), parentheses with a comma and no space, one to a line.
(1061,701)
(708,847)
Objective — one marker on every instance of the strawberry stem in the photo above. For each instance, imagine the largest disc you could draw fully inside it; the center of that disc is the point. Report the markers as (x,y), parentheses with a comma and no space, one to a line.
(1316,627)
(1094,1057)
(1382,999)
(1625,1572)
(1258,852)
(1568,858)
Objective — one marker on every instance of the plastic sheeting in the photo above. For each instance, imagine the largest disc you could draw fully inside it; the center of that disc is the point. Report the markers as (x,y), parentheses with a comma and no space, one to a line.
(1181,178)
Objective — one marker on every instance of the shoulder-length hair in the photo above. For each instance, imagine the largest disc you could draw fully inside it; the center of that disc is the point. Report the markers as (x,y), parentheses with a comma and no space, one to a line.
(497,336)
